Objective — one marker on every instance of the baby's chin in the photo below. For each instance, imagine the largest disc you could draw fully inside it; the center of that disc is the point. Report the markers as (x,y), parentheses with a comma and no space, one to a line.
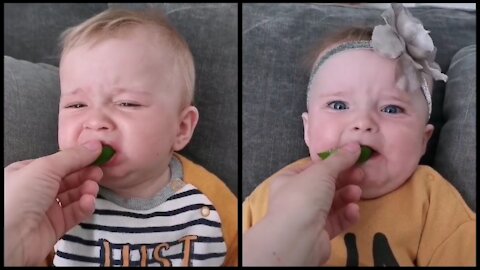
(115,178)
(376,186)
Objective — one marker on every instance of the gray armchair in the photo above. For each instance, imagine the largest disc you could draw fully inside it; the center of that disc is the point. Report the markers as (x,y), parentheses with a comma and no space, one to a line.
(32,84)
(275,39)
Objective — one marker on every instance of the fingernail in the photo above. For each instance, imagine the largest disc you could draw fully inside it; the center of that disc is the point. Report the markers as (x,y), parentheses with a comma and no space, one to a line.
(92,145)
(352,147)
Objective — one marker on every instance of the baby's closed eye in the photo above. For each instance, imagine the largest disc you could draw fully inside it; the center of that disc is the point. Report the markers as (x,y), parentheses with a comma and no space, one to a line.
(129,104)
(75,106)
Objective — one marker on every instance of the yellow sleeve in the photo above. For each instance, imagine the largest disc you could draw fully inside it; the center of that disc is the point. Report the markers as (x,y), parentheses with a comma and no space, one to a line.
(464,237)
(255,206)
(449,233)
(246,215)
(223,199)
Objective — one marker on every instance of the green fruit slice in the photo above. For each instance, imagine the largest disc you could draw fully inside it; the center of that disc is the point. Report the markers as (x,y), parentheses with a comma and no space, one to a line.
(324,155)
(105,156)
(365,154)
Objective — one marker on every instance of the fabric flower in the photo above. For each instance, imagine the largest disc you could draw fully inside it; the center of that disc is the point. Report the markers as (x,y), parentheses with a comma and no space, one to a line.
(404,36)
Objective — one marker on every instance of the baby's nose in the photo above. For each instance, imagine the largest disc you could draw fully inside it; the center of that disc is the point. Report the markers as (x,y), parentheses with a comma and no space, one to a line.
(360,128)
(365,123)
(96,125)
(98,121)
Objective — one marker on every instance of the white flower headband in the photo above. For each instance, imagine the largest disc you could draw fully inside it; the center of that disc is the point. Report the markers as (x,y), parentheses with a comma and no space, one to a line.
(402,37)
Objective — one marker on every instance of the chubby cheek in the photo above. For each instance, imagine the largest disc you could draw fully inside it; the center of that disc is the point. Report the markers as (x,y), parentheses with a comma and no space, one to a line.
(323,137)
(67,133)
(404,152)
(145,144)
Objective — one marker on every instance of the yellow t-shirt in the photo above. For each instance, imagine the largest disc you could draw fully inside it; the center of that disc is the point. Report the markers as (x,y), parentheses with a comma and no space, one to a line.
(425,222)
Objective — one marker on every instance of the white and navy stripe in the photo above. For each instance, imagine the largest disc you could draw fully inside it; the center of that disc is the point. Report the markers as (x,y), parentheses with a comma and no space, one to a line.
(114,232)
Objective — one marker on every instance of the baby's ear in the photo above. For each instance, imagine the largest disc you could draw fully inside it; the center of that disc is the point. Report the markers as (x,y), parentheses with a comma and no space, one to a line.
(305,129)
(427,135)
(187,122)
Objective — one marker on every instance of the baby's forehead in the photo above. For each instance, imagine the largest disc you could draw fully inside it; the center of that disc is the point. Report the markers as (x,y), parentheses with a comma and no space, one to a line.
(362,71)
(141,34)
(361,59)
(371,91)
(356,67)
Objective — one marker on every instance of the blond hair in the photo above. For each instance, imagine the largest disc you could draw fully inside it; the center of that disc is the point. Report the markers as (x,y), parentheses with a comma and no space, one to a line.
(112,21)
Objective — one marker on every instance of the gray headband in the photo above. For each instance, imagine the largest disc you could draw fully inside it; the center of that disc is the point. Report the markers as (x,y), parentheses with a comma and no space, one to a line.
(403,37)
(355,45)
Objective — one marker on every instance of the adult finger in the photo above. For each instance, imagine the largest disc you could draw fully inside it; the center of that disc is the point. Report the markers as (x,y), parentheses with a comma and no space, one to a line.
(18,165)
(342,159)
(293,170)
(69,160)
(77,178)
(78,211)
(351,176)
(346,195)
(341,219)
(72,195)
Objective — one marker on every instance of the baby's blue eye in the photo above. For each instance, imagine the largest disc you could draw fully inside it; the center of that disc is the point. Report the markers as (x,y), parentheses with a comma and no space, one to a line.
(338,105)
(392,109)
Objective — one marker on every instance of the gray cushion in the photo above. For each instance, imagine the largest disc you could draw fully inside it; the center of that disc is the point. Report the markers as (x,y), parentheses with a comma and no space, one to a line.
(31,31)
(456,151)
(31,96)
(275,41)
(212,33)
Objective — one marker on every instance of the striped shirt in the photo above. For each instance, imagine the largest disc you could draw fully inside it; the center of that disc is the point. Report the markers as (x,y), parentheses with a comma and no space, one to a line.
(178,227)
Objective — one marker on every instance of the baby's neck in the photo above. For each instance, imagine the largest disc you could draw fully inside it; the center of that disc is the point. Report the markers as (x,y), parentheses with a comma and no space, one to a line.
(145,189)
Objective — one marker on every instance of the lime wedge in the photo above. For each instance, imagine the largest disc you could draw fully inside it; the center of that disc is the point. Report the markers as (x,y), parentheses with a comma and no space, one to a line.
(365,154)
(324,155)
(105,156)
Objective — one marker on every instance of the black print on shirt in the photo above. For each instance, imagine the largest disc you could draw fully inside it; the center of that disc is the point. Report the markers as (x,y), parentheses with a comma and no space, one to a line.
(382,253)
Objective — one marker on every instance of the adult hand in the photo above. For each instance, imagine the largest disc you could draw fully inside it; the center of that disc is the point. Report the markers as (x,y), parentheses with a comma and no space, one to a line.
(34,220)
(307,207)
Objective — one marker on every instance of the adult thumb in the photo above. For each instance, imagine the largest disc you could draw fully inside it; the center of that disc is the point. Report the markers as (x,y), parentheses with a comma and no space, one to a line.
(69,160)
(342,159)
(338,161)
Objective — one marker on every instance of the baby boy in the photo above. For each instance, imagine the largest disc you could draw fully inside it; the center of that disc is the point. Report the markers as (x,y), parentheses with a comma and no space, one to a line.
(127,80)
